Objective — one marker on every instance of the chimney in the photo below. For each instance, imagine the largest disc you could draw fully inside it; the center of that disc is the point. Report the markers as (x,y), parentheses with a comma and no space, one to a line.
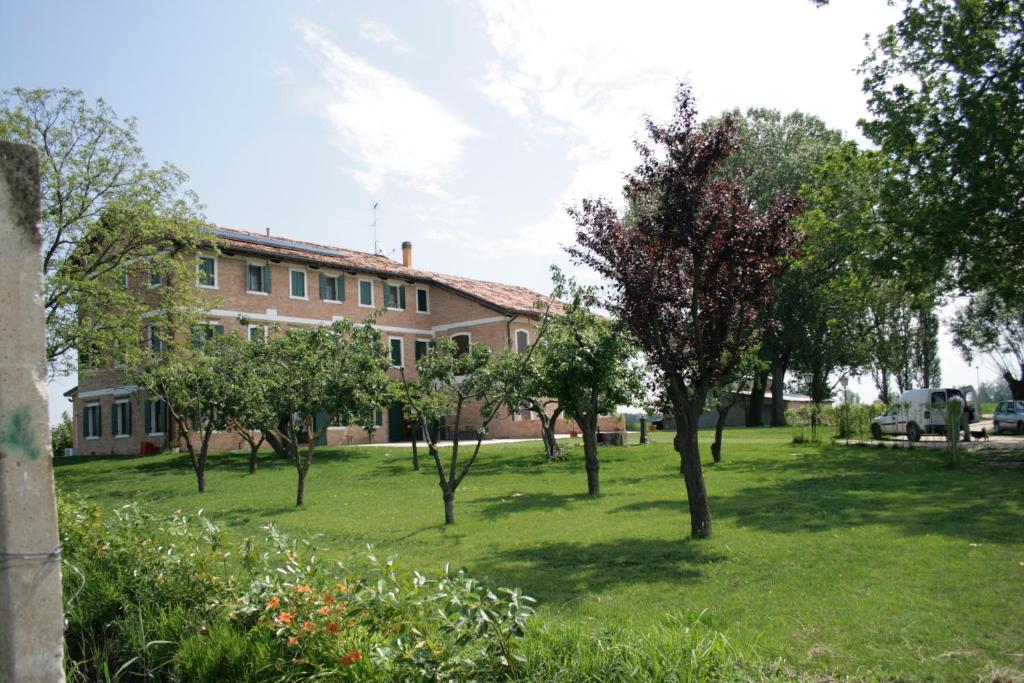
(268,232)
(407,254)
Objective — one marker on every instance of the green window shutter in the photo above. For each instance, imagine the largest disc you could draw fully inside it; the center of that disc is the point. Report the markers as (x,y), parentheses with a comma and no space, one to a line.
(161,416)
(323,287)
(218,330)
(341,288)
(401,297)
(195,423)
(147,408)
(197,336)
(113,420)
(129,425)
(266,279)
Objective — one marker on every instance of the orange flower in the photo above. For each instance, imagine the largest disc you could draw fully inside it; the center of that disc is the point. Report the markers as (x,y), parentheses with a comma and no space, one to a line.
(332,627)
(304,589)
(285,617)
(293,640)
(323,611)
(351,658)
(342,587)
(328,598)
(273,603)
(308,626)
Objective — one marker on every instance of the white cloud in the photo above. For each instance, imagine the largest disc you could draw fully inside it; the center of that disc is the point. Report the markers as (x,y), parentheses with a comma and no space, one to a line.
(589,72)
(284,73)
(392,131)
(379,34)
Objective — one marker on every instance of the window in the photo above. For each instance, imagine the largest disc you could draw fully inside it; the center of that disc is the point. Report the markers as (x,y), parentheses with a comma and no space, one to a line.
(206,272)
(298,278)
(156,343)
(332,288)
(155,417)
(257,278)
(394,296)
(203,332)
(422,347)
(154,279)
(422,300)
(91,426)
(378,417)
(462,343)
(522,340)
(397,352)
(366,293)
(257,333)
(122,419)
(336,422)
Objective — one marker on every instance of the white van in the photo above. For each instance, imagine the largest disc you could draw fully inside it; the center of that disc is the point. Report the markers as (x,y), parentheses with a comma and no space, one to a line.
(923,411)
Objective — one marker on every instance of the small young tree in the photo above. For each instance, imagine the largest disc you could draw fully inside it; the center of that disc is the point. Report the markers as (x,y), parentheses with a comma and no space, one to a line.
(340,370)
(449,382)
(249,411)
(193,380)
(534,394)
(732,391)
(585,360)
(693,270)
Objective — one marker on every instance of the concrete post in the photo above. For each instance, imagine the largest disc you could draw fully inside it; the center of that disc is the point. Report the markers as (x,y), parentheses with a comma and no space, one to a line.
(31,613)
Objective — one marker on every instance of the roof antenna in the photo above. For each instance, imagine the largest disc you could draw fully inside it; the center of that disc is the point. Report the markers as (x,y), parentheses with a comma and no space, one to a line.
(376,244)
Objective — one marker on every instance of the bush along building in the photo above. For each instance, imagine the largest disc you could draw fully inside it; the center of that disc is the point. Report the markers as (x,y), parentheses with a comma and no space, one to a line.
(254,284)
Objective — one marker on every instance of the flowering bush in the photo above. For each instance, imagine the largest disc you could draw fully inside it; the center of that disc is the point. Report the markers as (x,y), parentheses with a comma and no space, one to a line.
(173,600)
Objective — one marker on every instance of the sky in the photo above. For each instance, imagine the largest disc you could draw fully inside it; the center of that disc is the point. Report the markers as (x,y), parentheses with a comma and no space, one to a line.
(472,124)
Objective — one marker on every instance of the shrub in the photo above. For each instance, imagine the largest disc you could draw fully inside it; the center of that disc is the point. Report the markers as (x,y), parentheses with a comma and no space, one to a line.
(61,434)
(171,600)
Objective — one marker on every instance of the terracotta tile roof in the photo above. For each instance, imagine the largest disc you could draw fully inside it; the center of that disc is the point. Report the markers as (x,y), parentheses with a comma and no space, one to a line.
(502,297)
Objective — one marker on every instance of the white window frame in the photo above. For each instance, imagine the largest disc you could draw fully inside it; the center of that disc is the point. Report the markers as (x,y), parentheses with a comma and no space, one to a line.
(216,271)
(305,284)
(339,276)
(359,292)
(251,327)
(119,432)
(88,436)
(260,265)
(401,350)
(398,298)
(515,339)
(469,338)
(149,339)
(426,341)
(154,419)
(425,290)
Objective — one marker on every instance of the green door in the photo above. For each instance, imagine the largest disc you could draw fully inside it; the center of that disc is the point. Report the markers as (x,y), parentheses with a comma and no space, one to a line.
(396,424)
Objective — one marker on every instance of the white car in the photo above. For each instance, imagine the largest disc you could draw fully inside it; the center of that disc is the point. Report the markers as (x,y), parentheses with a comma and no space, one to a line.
(1009,415)
(923,411)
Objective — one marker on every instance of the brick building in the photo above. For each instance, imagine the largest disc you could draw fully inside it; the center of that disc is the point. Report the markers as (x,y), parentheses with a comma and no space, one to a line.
(275,282)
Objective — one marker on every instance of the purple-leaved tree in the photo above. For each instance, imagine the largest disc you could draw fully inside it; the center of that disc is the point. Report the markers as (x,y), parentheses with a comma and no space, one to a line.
(691,267)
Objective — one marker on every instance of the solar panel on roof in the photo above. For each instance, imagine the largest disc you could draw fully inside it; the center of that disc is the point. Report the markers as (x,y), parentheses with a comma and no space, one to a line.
(285,244)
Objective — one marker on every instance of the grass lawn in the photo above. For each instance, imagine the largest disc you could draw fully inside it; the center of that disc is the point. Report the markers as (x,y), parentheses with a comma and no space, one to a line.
(848,561)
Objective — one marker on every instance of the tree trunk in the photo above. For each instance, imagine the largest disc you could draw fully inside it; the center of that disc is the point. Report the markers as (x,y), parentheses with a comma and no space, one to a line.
(1016,386)
(755,409)
(778,393)
(201,479)
(449,504)
(254,450)
(300,493)
(415,450)
(716,447)
(547,433)
(588,425)
(687,414)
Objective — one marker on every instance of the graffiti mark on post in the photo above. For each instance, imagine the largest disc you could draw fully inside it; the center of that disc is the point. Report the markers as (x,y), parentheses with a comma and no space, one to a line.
(17,433)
